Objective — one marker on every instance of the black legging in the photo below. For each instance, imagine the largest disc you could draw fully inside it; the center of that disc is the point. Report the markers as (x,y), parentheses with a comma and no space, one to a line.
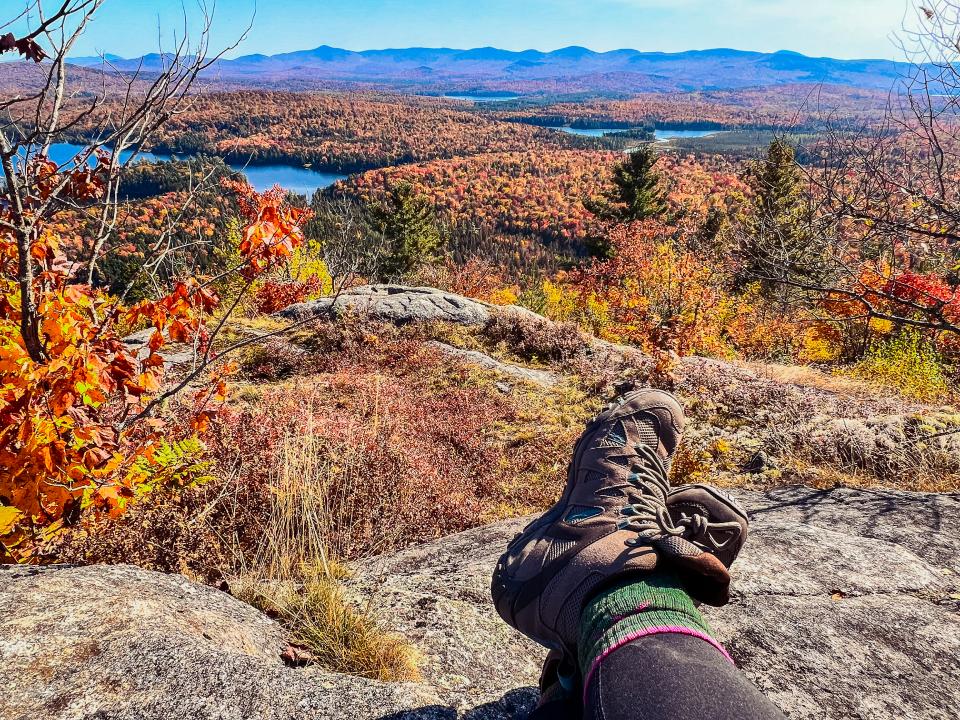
(673,677)
(666,677)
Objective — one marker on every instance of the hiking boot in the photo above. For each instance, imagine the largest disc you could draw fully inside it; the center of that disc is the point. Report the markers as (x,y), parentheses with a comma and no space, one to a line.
(710,519)
(612,520)
(716,524)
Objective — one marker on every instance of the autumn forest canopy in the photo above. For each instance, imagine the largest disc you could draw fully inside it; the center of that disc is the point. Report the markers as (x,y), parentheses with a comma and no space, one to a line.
(788,216)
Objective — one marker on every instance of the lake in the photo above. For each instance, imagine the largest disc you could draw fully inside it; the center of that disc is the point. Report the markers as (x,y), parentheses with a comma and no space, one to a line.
(263,177)
(483,98)
(661,135)
(676,134)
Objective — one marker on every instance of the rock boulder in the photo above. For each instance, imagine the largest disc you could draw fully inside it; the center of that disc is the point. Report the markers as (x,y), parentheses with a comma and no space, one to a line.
(847,606)
(396,303)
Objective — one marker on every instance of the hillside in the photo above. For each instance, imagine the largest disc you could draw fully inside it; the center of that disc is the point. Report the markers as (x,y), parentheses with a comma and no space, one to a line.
(459,426)
(571,69)
(345,132)
(377,387)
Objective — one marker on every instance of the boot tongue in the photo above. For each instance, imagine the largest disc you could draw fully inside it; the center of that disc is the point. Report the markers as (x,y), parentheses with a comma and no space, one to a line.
(647,433)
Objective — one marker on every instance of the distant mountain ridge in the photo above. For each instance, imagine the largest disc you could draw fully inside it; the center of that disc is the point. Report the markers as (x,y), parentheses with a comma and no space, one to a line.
(571,69)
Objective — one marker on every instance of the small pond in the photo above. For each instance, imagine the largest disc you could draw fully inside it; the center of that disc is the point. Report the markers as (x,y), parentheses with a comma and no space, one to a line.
(482,98)
(661,135)
(295,178)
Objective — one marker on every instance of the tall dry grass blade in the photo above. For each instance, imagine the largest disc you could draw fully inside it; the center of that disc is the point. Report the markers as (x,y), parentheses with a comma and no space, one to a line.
(296,574)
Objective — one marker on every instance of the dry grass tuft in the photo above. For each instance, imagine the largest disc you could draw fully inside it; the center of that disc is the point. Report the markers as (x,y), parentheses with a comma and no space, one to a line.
(296,579)
(805,376)
(339,636)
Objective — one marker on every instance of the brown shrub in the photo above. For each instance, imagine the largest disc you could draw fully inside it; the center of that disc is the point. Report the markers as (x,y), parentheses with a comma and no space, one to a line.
(272,361)
(536,339)
(199,533)
(411,447)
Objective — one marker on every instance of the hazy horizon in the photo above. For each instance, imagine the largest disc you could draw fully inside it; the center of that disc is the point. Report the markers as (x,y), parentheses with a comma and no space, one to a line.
(387,48)
(856,29)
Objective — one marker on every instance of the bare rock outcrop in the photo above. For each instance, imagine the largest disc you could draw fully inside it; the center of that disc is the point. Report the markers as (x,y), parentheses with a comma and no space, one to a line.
(847,607)
(122,643)
(516,372)
(398,304)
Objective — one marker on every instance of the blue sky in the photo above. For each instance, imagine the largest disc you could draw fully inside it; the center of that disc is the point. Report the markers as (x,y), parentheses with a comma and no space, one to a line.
(839,28)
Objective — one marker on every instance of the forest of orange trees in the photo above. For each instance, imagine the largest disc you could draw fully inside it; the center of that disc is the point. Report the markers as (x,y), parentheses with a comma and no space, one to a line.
(517,199)
(344,132)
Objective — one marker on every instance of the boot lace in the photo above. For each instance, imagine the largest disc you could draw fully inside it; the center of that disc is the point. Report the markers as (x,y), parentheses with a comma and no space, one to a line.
(648,516)
(699,529)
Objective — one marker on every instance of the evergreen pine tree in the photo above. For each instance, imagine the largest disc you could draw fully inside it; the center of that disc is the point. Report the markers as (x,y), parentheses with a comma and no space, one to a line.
(637,193)
(776,242)
(410,235)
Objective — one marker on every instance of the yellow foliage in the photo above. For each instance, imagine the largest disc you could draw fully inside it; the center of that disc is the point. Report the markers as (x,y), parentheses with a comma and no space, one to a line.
(559,302)
(690,466)
(9,518)
(816,346)
(306,264)
(881,327)
(595,315)
(908,363)
(503,296)
(720,446)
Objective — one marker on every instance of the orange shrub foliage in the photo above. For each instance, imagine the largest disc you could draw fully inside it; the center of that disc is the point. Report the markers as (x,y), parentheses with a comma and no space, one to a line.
(655,295)
(273,296)
(922,297)
(658,295)
(70,437)
(273,227)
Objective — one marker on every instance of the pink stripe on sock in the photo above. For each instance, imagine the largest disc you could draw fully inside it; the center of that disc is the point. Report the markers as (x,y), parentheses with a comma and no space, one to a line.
(624,616)
(668,629)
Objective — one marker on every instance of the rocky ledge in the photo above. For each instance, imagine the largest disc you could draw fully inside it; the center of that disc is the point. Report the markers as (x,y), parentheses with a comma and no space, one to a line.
(399,304)
(847,605)
(850,431)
